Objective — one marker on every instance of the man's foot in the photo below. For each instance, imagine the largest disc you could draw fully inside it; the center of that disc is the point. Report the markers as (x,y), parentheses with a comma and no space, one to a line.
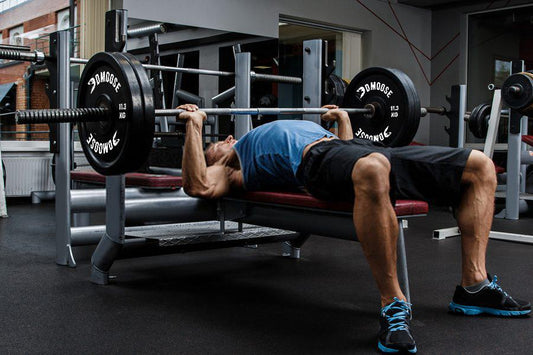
(394,336)
(491,299)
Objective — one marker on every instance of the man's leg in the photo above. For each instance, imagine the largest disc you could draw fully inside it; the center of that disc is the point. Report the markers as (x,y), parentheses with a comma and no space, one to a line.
(377,230)
(474,215)
(375,223)
(478,293)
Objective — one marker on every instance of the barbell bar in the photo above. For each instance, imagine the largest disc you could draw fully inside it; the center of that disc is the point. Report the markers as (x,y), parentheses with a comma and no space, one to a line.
(39,57)
(97,114)
(116,114)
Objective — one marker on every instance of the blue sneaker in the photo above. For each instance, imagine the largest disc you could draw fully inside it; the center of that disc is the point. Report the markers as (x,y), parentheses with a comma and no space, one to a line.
(394,335)
(491,299)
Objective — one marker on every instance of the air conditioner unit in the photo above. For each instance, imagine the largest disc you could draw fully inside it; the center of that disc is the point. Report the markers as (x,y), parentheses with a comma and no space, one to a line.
(63,20)
(15,36)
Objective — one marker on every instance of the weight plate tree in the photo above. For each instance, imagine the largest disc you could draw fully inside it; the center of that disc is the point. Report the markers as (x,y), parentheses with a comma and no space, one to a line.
(397,106)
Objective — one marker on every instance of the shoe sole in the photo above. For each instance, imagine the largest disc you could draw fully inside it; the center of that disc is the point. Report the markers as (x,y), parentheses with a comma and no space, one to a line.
(474,310)
(384,349)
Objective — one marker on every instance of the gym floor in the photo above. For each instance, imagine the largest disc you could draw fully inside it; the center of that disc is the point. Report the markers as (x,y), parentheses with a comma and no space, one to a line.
(244,300)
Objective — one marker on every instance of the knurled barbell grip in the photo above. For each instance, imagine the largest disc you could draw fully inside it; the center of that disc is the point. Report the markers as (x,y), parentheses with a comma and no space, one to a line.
(61,115)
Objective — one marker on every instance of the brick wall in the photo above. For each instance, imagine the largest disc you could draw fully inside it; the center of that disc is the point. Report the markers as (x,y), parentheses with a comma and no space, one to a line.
(39,100)
(21,105)
(40,22)
(12,73)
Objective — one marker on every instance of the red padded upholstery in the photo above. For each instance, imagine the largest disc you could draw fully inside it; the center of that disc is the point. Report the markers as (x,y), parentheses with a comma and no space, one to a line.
(528,140)
(298,199)
(132,179)
(499,169)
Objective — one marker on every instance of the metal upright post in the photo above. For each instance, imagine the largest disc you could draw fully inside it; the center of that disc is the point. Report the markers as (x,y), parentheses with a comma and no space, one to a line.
(111,243)
(61,41)
(494,122)
(243,83)
(462,111)
(312,77)
(523,148)
(512,200)
(3,205)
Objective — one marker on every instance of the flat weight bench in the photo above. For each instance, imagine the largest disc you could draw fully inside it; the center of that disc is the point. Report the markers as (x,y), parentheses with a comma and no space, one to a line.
(292,211)
(307,215)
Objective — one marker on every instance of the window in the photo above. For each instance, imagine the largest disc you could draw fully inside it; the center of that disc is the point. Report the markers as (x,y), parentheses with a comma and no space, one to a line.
(494,40)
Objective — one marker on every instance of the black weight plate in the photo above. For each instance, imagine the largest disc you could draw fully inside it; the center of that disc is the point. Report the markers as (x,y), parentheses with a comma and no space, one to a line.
(478,122)
(108,79)
(473,124)
(414,103)
(519,101)
(392,92)
(335,88)
(143,130)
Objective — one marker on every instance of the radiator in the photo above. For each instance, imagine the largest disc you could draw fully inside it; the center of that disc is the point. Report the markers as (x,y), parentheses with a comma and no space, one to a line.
(27,174)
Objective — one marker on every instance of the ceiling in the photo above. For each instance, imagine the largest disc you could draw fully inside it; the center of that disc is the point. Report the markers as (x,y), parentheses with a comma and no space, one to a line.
(431,4)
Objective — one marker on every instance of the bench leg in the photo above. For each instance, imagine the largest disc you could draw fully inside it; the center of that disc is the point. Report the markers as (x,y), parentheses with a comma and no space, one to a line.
(402,263)
(291,248)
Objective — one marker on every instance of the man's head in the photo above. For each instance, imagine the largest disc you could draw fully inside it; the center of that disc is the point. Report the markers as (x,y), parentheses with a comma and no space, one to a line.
(216,151)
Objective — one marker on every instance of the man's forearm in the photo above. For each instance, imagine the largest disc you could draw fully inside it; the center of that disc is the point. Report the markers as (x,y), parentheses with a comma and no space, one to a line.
(345,127)
(194,166)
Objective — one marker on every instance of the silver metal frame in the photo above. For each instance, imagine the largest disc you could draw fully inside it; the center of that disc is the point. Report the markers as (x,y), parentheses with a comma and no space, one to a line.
(312,77)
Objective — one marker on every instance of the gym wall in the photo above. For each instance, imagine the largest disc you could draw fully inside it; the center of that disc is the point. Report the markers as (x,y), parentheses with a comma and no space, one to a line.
(450,24)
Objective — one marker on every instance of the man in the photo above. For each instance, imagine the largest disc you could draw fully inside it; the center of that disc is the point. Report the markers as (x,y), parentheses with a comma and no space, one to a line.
(288,153)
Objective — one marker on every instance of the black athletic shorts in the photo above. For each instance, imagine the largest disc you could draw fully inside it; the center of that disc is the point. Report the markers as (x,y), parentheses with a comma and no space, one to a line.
(426,173)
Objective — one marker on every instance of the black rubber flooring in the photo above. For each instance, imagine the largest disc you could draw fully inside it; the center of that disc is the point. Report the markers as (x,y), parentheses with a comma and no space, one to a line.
(244,300)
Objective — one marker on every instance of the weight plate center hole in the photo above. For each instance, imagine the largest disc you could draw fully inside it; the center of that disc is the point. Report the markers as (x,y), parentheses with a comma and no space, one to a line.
(104,101)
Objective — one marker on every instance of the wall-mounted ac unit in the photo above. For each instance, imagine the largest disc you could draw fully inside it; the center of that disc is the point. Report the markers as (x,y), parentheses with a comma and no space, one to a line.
(15,36)
(63,20)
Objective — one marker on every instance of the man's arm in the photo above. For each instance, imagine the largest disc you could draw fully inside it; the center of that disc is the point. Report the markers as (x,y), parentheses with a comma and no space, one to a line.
(343,121)
(198,179)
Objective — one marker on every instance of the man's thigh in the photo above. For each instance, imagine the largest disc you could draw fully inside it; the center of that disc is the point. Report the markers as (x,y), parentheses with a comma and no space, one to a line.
(428,173)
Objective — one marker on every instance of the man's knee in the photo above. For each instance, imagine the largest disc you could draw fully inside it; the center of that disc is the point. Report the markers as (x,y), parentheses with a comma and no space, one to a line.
(370,175)
(480,169)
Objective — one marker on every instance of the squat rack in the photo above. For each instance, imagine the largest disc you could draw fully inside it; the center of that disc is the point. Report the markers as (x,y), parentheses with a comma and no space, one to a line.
(70,231)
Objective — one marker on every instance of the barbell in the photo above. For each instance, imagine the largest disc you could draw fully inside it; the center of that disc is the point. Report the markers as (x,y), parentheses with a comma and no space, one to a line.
(116,113)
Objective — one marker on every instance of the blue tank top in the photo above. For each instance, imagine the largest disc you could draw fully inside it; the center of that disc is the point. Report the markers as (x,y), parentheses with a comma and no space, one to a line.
(271,154)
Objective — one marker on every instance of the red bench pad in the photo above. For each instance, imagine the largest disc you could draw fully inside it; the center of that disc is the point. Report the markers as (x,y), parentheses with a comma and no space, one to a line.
(528,140)
(299,199)
(132,179)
